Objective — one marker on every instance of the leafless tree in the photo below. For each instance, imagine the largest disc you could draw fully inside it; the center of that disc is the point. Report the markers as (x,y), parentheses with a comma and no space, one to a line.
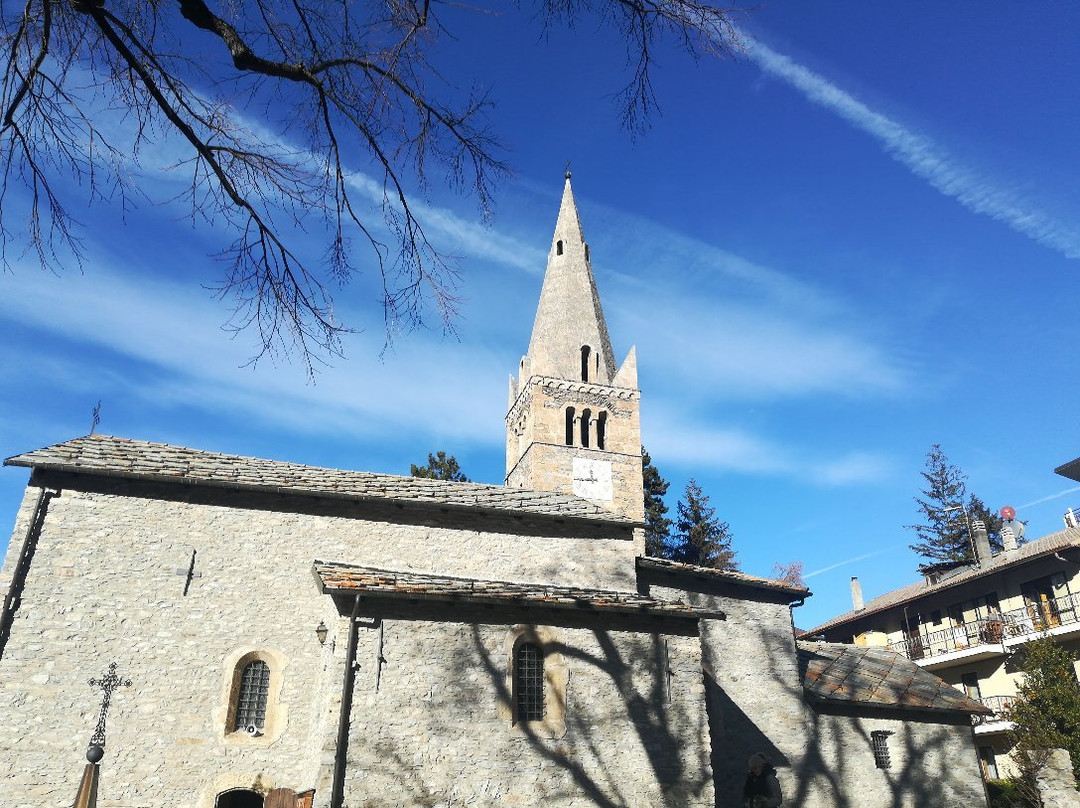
(264,99)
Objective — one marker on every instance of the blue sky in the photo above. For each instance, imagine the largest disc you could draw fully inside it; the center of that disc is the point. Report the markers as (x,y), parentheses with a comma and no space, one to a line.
(860,239)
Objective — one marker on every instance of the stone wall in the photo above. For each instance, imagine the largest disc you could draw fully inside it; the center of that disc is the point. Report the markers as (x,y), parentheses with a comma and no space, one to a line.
(824,760)
(106,585)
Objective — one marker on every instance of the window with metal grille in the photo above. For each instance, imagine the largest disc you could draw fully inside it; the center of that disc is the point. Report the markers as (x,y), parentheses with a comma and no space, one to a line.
(529,682)
(252,695)
(880,741)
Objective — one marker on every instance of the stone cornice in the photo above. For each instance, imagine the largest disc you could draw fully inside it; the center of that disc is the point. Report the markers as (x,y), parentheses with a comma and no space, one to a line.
(553,387)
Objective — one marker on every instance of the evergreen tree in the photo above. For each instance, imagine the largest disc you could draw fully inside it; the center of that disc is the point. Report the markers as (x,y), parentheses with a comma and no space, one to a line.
(700,537)
(1046,711)
(439,466)
(948,511)
(657,525)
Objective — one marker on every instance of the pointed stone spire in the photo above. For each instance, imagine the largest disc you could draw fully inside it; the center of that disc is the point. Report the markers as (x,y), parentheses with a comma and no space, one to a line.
(570,337)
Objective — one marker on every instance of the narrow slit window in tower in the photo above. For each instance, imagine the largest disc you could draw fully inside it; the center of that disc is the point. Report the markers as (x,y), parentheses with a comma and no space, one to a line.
(569,426)
(601,430)
(586,416)
(585,351)
(558,247)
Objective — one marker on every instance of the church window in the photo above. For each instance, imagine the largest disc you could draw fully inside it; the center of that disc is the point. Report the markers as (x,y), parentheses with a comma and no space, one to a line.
(585,351)
(570,419)
(529,682)
(252,696)
(880,741)
(558,247)
(586,416)
(601,430)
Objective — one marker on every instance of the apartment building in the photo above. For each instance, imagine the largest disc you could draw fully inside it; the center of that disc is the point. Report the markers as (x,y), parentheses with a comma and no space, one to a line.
(965,623)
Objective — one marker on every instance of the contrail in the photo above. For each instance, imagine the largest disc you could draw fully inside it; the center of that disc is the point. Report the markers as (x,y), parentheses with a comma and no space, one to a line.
(921,155)
(831,567)
(1058,495)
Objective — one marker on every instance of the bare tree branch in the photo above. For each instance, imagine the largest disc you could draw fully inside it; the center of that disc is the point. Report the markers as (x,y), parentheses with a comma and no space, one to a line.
(314,74)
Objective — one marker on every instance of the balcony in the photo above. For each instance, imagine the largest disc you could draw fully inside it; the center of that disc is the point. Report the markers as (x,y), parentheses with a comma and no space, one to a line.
(970,642)
(992,636)
(989,724)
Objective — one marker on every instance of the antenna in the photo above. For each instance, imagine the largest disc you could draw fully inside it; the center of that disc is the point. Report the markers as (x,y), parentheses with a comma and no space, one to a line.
(95,417)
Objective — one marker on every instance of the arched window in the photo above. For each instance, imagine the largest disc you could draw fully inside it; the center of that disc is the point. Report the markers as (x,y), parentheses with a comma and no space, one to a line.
(239,798)
(558,247)
(252,696)
(601,430)
(585,351)
(586,416)
(570,426)
(529,682)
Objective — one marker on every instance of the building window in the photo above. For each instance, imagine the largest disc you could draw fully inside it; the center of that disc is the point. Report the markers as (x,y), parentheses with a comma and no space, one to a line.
(988,762)
(252,696)
(558,247)
(970,682)
(601,430)
(586,416)
(585,351)
(570,413)
(529,682)
(880,741)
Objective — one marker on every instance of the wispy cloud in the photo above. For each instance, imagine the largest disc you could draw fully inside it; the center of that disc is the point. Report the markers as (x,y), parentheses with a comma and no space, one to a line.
(925,158)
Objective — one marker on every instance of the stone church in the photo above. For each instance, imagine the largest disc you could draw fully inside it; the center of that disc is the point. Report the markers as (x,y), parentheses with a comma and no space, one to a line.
(232,632)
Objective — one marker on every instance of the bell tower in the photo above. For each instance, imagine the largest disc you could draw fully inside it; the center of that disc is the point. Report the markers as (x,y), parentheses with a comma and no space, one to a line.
(573,424)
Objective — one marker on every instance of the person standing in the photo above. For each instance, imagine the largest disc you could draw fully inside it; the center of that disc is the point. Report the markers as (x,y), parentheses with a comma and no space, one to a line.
(762,789)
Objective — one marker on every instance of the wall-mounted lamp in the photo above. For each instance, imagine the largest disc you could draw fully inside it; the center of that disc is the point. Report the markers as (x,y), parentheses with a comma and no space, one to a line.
(321,631)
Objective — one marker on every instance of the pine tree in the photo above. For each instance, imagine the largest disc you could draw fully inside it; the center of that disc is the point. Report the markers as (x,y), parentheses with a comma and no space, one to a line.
(439,467)
(1046,711)
(657,525)
(948,511)
(700,537)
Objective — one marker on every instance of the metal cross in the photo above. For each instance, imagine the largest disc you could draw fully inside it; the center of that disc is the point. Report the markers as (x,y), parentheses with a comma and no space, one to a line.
(108,683)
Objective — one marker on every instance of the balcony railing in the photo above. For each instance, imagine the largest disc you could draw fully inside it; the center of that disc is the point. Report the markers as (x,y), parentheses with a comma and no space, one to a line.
(1033,618)
(999,704)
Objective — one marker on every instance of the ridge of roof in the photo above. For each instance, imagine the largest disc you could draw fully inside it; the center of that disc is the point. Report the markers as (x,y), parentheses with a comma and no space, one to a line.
(340,578)
(729,576)
(1043,546)
(108,455)
(877,677)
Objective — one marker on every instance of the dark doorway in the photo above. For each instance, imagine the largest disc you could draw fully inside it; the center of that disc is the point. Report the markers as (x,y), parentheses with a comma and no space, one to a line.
(239,798)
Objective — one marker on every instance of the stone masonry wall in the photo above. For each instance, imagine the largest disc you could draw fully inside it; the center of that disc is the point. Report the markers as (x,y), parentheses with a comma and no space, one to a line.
(104,587)
(443,735)
(756,704)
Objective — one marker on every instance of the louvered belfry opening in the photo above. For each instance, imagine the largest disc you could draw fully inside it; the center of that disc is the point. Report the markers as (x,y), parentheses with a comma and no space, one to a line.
(529,682)
(253,694)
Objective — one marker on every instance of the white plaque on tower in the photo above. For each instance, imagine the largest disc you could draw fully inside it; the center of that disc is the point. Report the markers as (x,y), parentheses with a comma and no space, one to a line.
(592,479)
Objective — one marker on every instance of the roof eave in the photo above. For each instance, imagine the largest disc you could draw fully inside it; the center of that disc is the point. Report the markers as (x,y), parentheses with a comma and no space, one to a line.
(69,468)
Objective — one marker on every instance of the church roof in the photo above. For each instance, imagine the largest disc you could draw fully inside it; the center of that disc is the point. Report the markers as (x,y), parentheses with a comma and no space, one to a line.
(1047,545)
(123,457)
(334,578)
(876,677)
(728,576)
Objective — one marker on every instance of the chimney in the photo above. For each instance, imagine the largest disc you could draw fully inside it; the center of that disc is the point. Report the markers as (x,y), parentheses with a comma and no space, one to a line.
(982,543)
(1008,536)
(856,594)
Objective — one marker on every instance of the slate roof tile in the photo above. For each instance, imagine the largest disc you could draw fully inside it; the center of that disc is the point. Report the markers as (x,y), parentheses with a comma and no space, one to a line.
(372,582)
(796,592)
(876,677)
(123,457)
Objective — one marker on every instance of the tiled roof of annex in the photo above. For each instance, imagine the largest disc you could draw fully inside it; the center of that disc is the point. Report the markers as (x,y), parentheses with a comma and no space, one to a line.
(1047,545)
(729,576)
(123,457)
(336,578)
(877,677)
